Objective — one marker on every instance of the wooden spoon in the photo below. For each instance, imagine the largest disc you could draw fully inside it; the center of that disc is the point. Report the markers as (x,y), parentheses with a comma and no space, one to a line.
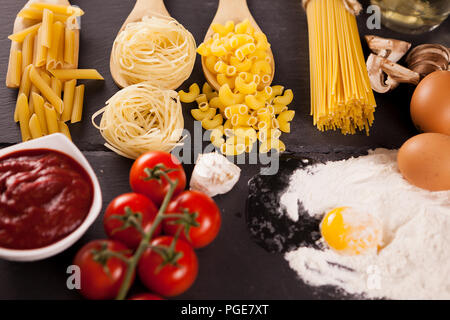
(141,9)
(21,24)
(236,11)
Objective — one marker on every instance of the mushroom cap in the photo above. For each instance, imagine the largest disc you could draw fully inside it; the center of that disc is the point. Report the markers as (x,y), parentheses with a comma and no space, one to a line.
(427,58)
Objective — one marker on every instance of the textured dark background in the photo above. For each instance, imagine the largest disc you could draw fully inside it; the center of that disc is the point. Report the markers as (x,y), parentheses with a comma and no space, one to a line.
(233,267)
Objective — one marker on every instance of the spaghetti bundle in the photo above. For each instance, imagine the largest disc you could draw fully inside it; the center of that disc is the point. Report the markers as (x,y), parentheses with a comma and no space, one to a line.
(341,95)
(141,118)
(157,49)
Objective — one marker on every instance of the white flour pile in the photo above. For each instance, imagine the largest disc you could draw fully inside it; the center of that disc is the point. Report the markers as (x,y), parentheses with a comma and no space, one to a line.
(414,262)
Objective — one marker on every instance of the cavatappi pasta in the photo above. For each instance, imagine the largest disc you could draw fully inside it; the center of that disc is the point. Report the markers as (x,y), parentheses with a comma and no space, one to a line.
(341,95)
(237,121)
(238,56)
(246,109)
(44,66)
(157,49)
(141,118)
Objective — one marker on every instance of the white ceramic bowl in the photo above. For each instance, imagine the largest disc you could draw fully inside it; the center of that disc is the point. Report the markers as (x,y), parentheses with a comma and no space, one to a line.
(61,143)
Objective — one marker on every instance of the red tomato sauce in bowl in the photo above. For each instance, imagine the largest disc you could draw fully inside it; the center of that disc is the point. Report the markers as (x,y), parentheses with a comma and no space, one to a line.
(44,196)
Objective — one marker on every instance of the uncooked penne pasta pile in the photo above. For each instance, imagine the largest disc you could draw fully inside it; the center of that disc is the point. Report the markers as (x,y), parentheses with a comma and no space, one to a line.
(249,108)
(43,64)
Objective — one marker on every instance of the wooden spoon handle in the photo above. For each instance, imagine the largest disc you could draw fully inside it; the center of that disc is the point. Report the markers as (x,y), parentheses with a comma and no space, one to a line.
(154,6)
(232,10)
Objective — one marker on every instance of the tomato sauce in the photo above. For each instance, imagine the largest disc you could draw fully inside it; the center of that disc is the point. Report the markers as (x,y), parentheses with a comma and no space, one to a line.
(44,196)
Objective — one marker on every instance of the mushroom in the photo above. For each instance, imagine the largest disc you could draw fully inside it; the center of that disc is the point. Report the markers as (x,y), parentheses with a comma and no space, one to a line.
(427,58)
(388,52)
(353,6)
(391,49)
(377,66)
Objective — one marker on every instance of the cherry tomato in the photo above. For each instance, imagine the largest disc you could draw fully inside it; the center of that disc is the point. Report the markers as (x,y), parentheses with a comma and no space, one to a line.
(168,277)
(101,276)
(129,209)
(208,218)
(154,162)
(146,296)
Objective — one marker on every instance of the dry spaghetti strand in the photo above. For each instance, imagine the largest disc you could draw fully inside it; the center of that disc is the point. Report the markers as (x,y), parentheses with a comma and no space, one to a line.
(341,96)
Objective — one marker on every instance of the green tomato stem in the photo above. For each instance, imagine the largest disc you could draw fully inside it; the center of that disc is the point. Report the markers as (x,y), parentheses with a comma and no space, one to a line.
(143,245)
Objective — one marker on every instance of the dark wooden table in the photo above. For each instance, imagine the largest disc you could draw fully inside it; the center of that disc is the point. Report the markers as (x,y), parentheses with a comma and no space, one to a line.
(233,267)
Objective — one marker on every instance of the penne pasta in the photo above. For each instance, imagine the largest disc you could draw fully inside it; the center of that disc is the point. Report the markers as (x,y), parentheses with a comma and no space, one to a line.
(41,51)
(61,44)
(69,92)
(77,110)
(58,8)
(44,75)
(68,74)
(35,127)
(56,86)
(21,35)
(52,55)
(47,26)
(35,46)
(64,129)
(27,50)
(15,69)
(39,110)
(36,14)
(24,117)
(25,87)
(51,118)
(69,46)
(30,100)
(25,83)
(45,89)
(43,64)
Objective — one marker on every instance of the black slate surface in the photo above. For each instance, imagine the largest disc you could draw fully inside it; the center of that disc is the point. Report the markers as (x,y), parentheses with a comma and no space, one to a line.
(233,267)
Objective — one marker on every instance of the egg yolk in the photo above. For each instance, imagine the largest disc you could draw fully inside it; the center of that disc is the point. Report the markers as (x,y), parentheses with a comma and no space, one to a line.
(350,232)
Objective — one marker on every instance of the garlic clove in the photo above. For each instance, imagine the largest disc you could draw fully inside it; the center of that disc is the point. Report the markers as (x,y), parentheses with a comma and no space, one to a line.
(214,174)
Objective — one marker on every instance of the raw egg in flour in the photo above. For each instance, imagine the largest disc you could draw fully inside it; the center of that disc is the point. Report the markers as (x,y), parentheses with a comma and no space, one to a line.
(351,232)
(430,103)
(424,160)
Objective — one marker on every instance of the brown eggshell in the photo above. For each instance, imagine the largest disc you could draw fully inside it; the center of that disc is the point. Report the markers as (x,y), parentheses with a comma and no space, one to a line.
(424,160)
(430,103)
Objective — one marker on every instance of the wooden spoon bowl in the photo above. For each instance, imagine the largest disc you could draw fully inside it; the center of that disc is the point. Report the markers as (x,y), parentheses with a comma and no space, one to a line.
(21,24)
(141,9)
(236,11)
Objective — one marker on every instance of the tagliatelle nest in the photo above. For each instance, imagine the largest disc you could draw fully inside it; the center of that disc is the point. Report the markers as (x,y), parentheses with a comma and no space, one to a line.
(157,49)
(141,118)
